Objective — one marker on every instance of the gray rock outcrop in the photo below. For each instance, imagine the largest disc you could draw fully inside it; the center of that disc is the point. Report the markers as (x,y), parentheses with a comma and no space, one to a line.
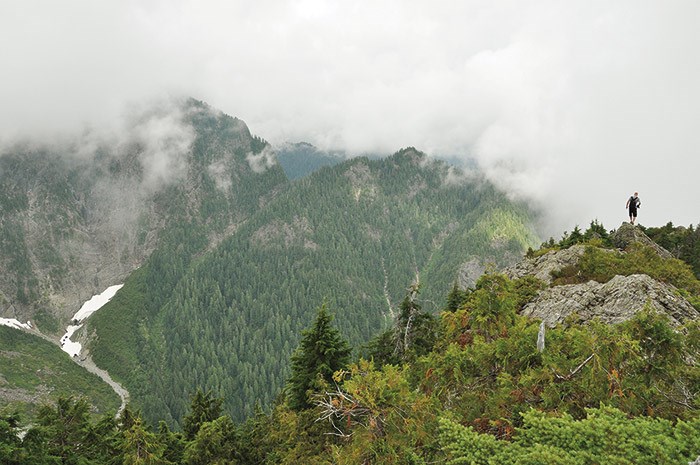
(543,266)
(630,234)
(469,272)
(613,302)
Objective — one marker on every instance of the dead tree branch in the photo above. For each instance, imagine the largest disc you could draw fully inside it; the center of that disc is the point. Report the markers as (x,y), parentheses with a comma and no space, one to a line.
(573,372)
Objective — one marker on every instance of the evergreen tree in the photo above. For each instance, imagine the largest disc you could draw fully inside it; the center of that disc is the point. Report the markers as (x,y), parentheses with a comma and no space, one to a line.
(321,352)
(414,332)
(141,447)
(216,443)
(456,297)
(127,417)
(174,443)
(597,231)
(203,408)
(65,428)
(10,445)
(381,349)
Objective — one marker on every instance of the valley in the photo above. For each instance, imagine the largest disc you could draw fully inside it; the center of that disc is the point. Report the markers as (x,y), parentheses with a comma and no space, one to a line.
(224,261)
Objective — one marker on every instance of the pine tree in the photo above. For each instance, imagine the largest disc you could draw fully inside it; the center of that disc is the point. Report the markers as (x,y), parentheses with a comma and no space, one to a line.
(141,447)
(456,298)
(215,443)
(65,427)
(203,408)
(321,352)
(10,444)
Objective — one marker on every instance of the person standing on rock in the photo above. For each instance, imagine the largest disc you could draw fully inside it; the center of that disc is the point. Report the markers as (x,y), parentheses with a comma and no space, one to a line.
(632,204)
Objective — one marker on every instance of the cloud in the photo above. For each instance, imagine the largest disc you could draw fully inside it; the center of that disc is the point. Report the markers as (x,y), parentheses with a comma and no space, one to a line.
(569,105)
(458,176)
(218,172)
(164,140)
(261,161)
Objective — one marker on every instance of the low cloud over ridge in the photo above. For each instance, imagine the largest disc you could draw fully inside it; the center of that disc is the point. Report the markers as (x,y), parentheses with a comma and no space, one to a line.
(571,105)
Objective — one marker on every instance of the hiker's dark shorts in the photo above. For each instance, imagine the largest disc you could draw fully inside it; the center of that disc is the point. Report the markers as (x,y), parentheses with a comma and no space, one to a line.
(633,212)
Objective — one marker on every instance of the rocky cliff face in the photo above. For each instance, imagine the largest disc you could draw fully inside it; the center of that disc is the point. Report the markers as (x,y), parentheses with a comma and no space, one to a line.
(78,217)
(612,302)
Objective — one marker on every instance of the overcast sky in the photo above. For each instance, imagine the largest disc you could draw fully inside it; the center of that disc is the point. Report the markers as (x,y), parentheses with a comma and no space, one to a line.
(572,105)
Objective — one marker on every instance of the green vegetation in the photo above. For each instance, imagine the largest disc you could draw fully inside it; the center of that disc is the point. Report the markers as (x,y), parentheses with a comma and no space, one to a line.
(601,261)
(301,159)
(203,408)
(682,242)
(605,435)
(482,393)
(242,260)
(321,353)
(33,371)
(238,256)
(595,234)
(602,265)
(46,322)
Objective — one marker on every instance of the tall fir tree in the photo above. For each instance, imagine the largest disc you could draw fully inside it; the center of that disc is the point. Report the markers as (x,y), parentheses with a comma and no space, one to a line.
(204,407)
(141,447)
(321,352)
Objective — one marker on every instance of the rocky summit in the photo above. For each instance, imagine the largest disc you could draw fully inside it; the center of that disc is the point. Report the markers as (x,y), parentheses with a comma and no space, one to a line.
(616,300)
(628,234)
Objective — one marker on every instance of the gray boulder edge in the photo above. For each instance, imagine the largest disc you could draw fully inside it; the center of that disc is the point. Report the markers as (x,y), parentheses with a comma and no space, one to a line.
(613,302)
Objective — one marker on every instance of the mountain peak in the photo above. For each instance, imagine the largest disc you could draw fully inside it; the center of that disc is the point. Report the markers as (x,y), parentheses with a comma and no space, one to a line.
(628,234)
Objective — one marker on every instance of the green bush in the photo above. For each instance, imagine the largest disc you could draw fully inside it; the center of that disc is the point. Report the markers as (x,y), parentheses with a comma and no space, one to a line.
(606,435)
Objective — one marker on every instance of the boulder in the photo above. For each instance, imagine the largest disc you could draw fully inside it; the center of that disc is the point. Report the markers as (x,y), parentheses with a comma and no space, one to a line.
(543,266)
(616,301)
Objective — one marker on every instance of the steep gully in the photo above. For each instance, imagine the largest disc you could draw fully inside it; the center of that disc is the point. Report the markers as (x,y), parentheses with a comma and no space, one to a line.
(74,348)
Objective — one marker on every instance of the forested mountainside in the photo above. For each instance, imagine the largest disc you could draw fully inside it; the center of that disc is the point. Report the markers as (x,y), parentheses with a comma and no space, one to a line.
(80,215)
(479,383)
(354,236)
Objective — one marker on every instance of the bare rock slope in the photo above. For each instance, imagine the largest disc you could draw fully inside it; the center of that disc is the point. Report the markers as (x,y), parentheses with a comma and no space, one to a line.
(612,302)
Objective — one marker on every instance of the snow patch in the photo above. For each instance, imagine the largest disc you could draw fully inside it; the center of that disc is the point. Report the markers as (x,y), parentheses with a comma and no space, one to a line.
(70,347)
(96,302)
(12,323)
(89,307)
